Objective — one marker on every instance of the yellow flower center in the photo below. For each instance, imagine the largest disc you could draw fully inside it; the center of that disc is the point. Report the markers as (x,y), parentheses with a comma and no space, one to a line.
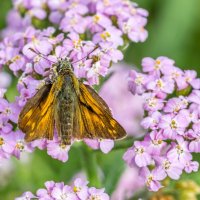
(105,35)
(20,146)
(179,149)
(77,43)
(76,189)
(17,57)
(160,83)
(139,150)
(157,142)
(166,164)
(149,180)
(157,65)
(96,18)
(139,80)
(1,141)
(173,124)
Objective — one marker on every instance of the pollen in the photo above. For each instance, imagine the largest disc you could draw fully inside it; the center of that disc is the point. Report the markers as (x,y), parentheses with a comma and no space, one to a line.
(173,124)
(17,57)
(179,149)
(157,65)
(166,164)
(139,80)
(1,141)
(126,28)
(95,197)
(7,111)
(76,189)
(20,146)
(139,150)
(149,180)
(159,83)
(77,44)
(157,142)
(62,146)
(152,102)
(105,35)
(96,18)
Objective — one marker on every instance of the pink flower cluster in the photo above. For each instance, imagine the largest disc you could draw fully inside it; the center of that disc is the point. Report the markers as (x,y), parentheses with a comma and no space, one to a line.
(71,29)
(58,191)
(172,116)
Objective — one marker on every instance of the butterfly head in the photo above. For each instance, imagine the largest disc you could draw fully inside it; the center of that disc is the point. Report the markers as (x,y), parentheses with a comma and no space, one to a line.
(64,66)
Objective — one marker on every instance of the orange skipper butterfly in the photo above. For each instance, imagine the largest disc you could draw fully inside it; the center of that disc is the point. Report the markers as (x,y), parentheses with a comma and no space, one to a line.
(75,109)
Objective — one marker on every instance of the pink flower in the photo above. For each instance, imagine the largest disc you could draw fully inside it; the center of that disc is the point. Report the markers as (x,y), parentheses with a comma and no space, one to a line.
(151,121)
(26,196)
(173,125)
(81,188)
(172,169)
(152,178)
(160,65)
(179,152)
(191,166)
(185,80)
(57,150)
(142,157)
(63,192)
(105,145)
(97,194)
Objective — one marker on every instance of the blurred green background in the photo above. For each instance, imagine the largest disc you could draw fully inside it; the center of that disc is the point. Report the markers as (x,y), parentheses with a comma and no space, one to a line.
(174,31)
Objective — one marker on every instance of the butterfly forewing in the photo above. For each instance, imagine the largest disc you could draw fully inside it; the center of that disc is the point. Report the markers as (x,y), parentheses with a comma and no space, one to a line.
(96,116)
(37,117)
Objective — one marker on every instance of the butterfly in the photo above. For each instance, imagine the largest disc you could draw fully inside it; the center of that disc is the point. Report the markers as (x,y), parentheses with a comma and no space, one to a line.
(73,108)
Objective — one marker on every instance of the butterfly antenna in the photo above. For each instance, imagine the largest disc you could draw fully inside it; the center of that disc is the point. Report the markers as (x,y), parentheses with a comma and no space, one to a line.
(96,47)
(41,55)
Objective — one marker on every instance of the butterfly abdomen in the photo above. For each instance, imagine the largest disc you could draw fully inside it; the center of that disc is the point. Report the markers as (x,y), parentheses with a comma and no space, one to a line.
(66,110)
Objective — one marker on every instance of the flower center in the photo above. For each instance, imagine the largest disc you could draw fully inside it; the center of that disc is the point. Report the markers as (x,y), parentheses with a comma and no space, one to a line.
(157,142)
(152,102)
(157,65)
(95,197)
(1,141)
(149,180)
(17,57)
(160,83)
(105,35)
(20,145)
(96,19)
(179,149)
(77,43)
(139,80)
(173,124)
(139,150)
(63,146)
(126,28)
(76,189)
(7,111)
(166,164)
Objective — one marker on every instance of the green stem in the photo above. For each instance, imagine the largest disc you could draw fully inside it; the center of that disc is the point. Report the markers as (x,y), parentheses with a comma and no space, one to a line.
(89,162)
(125,144)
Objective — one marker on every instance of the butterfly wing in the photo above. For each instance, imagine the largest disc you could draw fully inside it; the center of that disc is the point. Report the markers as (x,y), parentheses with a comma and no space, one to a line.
(96,116)
(36,119)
